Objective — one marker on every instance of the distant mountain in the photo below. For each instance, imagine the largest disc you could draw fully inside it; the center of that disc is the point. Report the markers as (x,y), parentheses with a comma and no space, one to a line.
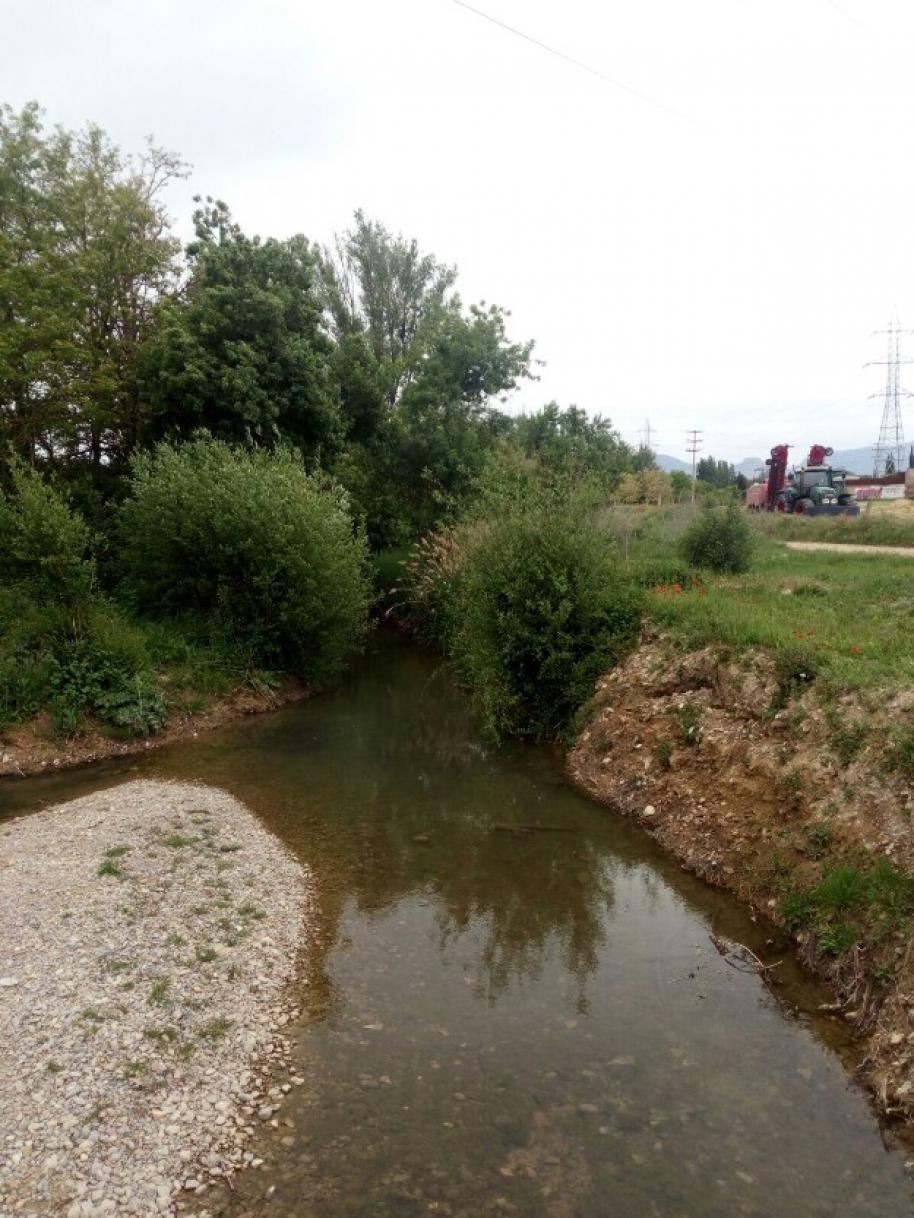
(668,464)
(854,460)
(747,466)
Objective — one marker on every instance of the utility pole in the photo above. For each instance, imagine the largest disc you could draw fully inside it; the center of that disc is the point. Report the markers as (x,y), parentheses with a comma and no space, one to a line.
(889,448)
(646,434)
(693,446)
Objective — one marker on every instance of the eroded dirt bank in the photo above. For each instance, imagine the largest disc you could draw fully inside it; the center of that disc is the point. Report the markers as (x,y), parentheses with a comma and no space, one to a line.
(148,933)
(32,748)
(767,802)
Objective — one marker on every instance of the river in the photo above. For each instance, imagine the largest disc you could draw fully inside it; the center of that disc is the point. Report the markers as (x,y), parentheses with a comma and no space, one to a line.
(500,1021)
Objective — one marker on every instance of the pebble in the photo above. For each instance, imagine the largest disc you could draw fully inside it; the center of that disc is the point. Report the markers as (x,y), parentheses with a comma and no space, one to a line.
(99,1107)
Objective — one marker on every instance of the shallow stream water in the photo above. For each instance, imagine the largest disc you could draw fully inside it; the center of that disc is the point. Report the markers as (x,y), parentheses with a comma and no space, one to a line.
(531,1023)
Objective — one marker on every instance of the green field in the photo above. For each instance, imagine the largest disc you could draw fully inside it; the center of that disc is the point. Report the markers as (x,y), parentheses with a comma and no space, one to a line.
(852,614)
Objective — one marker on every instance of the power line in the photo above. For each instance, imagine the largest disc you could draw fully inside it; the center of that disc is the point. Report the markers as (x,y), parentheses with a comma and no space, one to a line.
(577,63)
(693,446)
(838,9)
(890,444)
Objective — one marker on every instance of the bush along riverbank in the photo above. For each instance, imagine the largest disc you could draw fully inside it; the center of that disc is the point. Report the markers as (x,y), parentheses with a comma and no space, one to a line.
(761,777)
(239,581)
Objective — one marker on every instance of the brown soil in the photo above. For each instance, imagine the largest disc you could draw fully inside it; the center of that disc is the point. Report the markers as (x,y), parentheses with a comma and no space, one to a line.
(735,800)
(32,748)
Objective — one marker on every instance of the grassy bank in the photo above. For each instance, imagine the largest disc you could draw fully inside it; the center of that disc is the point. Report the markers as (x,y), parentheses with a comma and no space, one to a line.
(889,523)
(843,617)
(849,616)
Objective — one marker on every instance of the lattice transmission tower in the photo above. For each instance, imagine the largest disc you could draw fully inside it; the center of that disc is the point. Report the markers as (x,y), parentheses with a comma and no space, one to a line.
(888,451)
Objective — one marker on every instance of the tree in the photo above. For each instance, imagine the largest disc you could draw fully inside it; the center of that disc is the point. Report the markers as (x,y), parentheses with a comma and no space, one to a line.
(362,396)
(890,463)
(438,367)
(680,485)
(570,442)
(85,253)
(715,473)
(646,486)
(382,286)
(240,352)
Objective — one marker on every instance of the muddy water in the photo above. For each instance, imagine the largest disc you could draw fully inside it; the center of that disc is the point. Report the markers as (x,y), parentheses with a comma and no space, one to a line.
(515,1023)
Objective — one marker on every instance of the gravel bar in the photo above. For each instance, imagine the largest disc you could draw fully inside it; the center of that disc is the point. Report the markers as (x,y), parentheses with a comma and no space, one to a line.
(148,933)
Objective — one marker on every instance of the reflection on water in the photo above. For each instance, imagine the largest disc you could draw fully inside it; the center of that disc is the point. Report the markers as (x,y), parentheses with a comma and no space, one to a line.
(516,1022)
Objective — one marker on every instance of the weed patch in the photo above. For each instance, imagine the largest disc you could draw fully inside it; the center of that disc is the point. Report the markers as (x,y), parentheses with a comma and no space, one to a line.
(111,868)
(215,1029)
(690,724)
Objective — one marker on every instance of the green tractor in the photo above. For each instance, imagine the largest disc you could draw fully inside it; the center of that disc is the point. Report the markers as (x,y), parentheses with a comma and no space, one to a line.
(816,489)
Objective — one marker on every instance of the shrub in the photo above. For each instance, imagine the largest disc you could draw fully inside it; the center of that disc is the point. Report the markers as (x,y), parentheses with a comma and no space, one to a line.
(46,546)
(249,542)
(652,572)
(432,576)
(90,664)
(795,665)
(719,539)
(539,610)
(690,724)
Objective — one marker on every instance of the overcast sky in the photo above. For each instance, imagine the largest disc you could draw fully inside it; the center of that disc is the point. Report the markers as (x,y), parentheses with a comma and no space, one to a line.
(712,255)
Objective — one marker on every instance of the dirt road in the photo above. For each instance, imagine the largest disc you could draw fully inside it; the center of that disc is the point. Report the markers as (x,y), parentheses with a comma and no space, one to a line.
(839,547)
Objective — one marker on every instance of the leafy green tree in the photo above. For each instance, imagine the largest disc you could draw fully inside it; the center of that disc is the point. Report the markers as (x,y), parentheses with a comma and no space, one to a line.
(85,253)
(381,285)
(47,547)
(716,473)
(362,397)
(681,485)
(241,352)
(404,334)
(569,442)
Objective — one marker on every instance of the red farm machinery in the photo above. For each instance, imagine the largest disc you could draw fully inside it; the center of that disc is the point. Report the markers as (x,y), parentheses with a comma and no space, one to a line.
(813,489)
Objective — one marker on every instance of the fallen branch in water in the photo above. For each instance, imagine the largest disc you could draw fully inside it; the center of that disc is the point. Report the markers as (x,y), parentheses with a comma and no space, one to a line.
(742,958)
(520,829)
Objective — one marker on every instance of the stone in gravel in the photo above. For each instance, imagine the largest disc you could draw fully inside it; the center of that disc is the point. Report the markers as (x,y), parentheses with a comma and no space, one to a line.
(126,1044)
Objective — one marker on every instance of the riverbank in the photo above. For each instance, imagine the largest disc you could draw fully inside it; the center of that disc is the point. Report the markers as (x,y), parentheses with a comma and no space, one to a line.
(148,934)
(32,748)
(796,799)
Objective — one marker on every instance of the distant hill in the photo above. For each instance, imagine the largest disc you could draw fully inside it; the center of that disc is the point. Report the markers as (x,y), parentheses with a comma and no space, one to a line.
(668,464)
(854,460)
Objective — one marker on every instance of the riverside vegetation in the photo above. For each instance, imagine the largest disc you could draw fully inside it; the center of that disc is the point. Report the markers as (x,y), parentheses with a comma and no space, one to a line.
(213,462)
(205,454)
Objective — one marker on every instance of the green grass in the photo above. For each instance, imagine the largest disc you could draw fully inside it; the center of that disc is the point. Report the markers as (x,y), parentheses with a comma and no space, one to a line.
(177,841)
(877,525)
(858,629)
(158,995)
(850,904)
(110,867)
(849,617)
(899,753)
(215,1029)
